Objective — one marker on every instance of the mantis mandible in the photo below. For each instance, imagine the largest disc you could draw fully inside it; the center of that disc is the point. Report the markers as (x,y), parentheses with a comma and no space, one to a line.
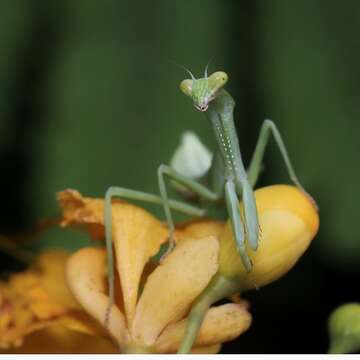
(229,179)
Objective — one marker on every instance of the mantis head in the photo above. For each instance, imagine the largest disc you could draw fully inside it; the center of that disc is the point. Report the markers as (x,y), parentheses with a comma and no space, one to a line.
(203,90)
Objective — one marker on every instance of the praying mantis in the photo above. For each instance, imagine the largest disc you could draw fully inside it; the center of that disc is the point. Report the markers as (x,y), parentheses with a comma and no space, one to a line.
(229,181)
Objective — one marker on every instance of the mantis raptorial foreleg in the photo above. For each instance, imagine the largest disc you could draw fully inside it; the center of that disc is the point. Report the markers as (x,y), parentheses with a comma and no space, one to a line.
(232,203)
(250,215)
(192,185)
(268,128)
(135,195)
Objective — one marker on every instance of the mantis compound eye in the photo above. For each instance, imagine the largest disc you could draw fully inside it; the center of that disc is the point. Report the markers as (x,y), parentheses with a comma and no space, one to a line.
(217,80)
(186,87)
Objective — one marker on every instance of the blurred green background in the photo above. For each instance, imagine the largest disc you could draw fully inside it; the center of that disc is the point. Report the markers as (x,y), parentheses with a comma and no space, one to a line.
(89,98)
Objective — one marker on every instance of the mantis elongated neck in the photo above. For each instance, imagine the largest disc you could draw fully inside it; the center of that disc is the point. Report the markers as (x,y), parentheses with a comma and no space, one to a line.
(220,113)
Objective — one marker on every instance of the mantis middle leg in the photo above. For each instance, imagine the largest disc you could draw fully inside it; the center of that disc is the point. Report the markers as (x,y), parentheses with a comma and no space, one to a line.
(192,185)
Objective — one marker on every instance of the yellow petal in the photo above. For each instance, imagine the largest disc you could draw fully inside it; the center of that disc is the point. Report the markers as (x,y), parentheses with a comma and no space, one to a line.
(221,323)
(137,236)
(86,274)
(173,286)
(288,222)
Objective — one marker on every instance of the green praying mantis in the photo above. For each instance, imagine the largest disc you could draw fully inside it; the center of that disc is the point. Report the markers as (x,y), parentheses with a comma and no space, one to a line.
(229,181)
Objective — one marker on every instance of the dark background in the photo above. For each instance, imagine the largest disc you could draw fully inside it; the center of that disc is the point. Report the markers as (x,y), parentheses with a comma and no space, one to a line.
(89,98)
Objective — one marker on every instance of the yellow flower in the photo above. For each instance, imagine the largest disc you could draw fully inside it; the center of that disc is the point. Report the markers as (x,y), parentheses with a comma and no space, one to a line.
(38,305)
(39,313)
(151,304)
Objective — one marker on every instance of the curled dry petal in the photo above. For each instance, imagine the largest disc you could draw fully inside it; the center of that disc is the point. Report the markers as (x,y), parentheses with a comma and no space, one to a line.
(82,211)
(222,323)
(173,286)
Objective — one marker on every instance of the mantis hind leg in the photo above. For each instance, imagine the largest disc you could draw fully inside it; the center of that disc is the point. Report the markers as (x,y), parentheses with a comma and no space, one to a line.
(135,195)
(266,130)
(192,185)
(251,218)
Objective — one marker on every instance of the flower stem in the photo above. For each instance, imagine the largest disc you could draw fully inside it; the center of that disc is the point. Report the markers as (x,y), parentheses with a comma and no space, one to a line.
(218,288)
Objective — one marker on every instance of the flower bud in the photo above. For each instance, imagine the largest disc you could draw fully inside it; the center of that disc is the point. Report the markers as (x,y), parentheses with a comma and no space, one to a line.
(288,222)
(344,329)
(191,159)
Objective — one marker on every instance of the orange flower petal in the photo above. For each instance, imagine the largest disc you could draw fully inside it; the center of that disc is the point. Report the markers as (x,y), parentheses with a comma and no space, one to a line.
(46,310)
(56,339)
(52,277)
(221,323)
(39,298)
(26,306)
(5,321)
(173,286)
(86,274)
(23,318)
